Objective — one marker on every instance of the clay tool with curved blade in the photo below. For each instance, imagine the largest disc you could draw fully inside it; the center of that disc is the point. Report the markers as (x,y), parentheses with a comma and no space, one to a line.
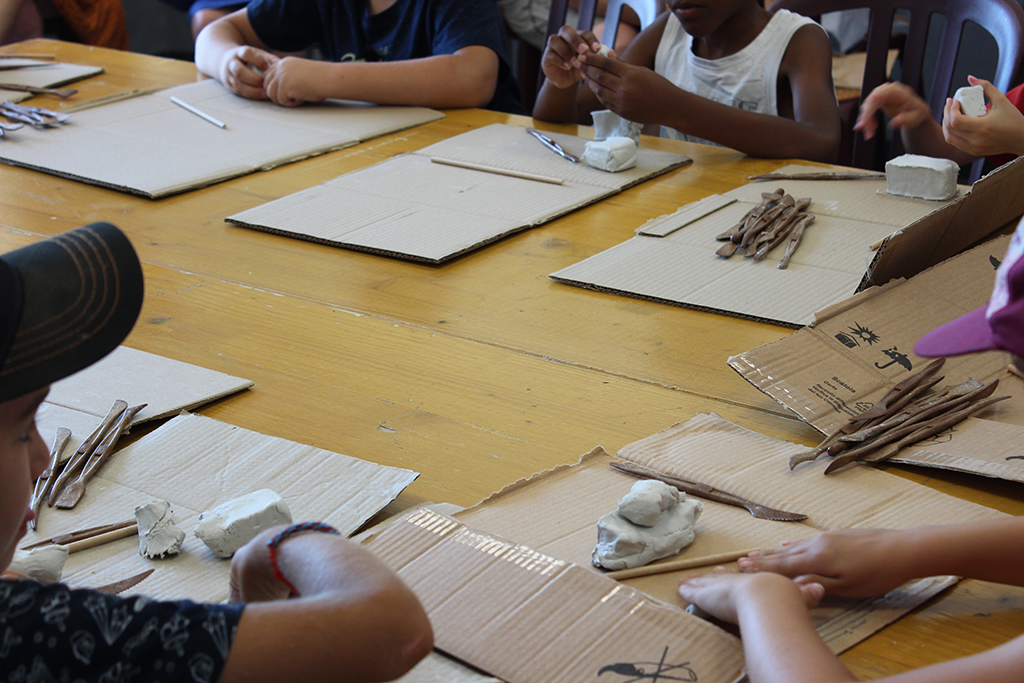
(70,496)
(45,481)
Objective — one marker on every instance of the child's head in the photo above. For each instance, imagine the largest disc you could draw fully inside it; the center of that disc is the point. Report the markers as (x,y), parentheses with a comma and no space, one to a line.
(997,326)
(701,18)
(65,303)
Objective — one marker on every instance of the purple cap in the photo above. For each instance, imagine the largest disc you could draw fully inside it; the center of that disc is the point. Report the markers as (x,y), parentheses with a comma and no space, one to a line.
(999,326)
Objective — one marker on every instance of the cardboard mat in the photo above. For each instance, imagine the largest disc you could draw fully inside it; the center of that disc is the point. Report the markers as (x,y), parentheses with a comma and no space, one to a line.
(555,514)
(858,350)
(38,73)
(414,207)
(197,463)
(672,259)
(149,146)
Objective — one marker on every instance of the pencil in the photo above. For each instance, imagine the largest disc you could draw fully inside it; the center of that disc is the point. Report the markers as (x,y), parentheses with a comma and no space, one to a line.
(679,565)
(499,171)
(200,114)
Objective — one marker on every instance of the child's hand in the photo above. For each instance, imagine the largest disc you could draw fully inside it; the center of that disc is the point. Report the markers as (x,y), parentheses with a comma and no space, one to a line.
(899,102)
(632,92)
(1000,131)
(560,62)
(293,81)
(243,69)
(848,562)
(720,593)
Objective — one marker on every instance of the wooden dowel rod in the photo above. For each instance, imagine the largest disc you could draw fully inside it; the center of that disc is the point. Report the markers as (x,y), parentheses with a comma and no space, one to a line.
(499,171)
(103,538)
(678,565)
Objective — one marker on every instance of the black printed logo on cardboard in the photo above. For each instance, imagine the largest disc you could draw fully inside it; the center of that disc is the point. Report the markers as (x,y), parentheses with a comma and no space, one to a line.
(895,356)
(650,671)
(857,334)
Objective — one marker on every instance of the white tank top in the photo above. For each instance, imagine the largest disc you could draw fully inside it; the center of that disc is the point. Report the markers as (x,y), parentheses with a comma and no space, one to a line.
(746,79)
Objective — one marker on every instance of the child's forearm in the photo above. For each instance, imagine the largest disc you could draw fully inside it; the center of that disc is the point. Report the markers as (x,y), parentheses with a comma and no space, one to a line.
(779,640)
(992,550)
(212,44)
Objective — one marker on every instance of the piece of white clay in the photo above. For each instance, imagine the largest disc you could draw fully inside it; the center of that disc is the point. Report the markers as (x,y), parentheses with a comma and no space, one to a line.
(647,499)
(913,175)
(622,544)
(604,51)
(159,536)
(608,124)
(44,564)
(972,100)
(613,154)
(228,527)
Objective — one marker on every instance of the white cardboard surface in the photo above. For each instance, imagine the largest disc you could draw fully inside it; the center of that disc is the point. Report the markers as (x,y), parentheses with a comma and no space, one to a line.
(409,207)
(673,260)
(197,463)
(148,145)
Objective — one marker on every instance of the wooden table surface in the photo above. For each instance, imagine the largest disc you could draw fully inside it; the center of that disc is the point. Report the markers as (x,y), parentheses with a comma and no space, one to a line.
(476,373)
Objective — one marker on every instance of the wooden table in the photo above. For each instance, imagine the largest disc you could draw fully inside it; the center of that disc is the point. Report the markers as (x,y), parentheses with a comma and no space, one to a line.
(477,373)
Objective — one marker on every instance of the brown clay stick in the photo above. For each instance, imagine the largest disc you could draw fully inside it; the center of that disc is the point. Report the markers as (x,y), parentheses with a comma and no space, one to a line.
(766,199)
(923,431)
(795,237)
(817,176)
(80,456)
(900,411)
(894,394)
(780,230)
(767,220)
(778,238)
(727,250)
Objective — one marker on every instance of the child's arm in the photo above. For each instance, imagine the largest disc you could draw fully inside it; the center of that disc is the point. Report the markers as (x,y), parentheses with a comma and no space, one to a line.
(781,646)
(909,114)
(1000,131)
(230,51)
(466,78)
(868,562)
(639,94)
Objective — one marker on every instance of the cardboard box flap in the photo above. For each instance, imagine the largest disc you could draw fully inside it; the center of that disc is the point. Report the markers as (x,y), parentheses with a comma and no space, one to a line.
(992,202)
(167,386)
(413,208)
(526,617)
(196,463)
(840,367)
(834,259)
(115,145)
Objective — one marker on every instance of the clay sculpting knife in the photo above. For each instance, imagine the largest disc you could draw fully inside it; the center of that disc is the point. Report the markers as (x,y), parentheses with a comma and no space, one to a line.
(73,492)
(85,450)
(710,493)
(552,145)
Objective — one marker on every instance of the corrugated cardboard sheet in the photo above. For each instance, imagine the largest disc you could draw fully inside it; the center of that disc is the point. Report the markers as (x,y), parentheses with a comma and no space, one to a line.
(148,145)
(410,207)
(858,350)
(514,592)
(197,463)
(40,74)
(673,260)
(524,616)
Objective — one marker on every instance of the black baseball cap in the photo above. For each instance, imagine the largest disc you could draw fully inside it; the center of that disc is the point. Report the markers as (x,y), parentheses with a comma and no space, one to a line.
(65,303)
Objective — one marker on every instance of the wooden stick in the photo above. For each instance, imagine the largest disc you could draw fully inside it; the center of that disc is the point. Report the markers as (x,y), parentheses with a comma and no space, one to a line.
(103,538)
(201,114)
(818,176)
(78,535)
(499,171)
(679,565)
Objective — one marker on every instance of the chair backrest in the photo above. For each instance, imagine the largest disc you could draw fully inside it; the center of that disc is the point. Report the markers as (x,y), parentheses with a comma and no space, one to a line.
(646,10)
(1003,19)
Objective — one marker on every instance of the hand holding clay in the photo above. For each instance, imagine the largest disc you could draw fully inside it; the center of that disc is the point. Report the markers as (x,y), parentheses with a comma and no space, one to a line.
(560,62)
(856,563)
(1000,131)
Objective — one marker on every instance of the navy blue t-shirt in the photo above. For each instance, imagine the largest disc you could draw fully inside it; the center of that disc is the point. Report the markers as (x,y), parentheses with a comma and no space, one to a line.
(54,633)
(409,29)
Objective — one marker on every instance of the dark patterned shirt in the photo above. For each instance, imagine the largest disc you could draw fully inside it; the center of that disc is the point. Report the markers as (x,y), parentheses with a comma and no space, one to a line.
(53,633)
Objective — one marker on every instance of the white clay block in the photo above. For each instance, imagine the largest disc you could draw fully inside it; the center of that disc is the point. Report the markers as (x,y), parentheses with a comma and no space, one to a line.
(913,175)
(604,51)
(228,527)
(647,499)
(972,100)
(608,124)
(44,564)
(613,154)
(159,536)
(622,544)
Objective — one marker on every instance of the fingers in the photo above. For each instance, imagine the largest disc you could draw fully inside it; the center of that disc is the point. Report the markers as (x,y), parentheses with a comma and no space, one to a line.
(812,593)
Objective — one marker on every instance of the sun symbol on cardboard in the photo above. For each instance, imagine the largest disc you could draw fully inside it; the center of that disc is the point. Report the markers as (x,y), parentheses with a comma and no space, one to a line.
(863,333)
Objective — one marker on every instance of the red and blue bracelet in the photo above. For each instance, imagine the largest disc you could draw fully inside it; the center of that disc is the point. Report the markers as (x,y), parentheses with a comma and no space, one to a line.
(288,532)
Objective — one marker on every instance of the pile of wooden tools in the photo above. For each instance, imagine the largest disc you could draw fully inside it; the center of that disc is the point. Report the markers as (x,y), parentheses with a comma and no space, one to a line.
(33,116)
(54,484)
(905,415)
(777,218)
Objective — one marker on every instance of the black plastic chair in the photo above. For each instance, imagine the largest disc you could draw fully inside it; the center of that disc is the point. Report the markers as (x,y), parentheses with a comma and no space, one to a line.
(1003,19)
